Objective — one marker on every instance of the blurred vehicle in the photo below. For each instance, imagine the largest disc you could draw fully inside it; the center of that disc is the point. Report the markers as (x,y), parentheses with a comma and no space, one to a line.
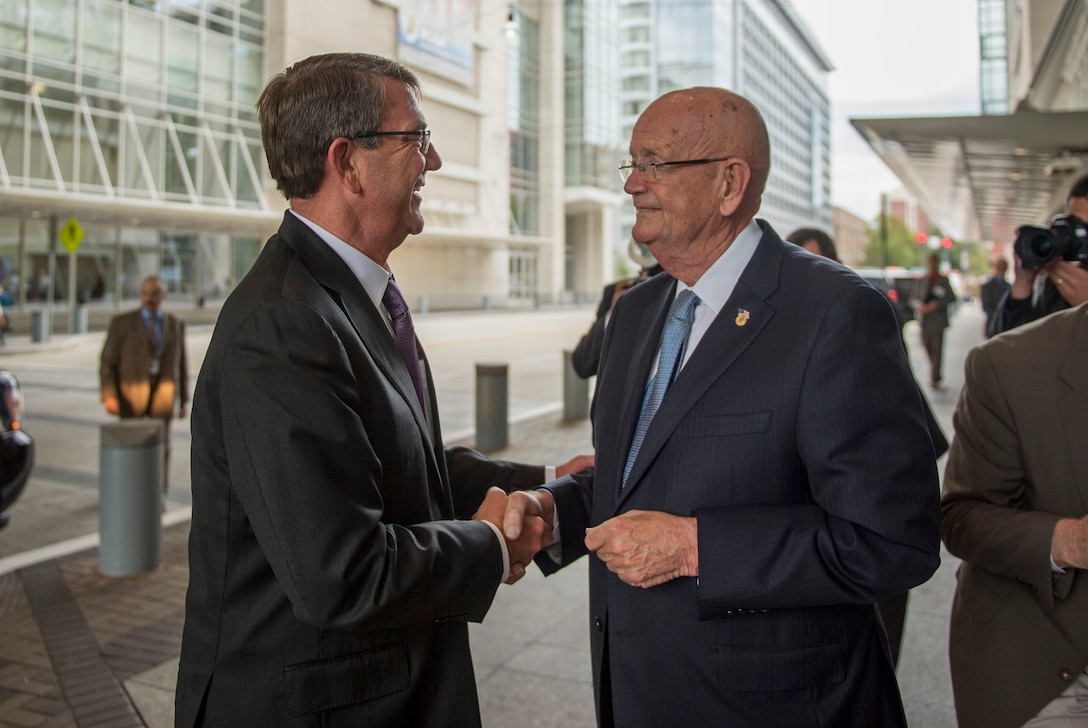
(16,447)
(897,285)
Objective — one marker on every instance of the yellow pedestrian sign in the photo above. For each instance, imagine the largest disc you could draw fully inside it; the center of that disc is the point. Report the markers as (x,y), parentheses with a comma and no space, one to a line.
(71,235)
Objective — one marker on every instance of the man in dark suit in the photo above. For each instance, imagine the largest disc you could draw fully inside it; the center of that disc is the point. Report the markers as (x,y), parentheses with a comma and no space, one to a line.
(992,293)
(1014,509)
(329,583)
(587,354)
(786,482)
(143,370)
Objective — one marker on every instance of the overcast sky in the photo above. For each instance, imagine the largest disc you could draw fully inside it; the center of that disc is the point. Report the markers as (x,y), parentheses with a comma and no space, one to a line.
(891,58)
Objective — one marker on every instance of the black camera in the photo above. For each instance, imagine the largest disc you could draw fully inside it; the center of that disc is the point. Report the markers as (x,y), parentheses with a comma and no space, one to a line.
(1066,237)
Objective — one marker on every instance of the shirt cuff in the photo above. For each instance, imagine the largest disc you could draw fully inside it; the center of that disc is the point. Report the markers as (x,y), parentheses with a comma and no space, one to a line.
(549,473)
(505,551)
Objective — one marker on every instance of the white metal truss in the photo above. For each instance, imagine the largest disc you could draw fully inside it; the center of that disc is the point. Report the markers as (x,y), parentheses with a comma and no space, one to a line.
(47,175)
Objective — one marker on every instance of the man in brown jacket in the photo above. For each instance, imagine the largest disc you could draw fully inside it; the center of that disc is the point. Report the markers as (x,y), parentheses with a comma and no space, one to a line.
(1014,509)
(143,371)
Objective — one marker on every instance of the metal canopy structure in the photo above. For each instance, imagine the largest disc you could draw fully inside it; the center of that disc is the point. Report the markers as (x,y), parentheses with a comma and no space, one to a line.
(980,177)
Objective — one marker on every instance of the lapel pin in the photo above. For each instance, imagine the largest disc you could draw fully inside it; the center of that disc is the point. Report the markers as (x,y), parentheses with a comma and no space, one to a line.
(742,317)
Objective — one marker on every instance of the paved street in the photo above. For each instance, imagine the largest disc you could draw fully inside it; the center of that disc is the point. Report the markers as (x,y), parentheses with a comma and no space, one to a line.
(85,649)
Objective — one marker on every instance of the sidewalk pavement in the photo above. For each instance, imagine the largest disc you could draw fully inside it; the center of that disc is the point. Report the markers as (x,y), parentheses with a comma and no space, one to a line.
(83,649)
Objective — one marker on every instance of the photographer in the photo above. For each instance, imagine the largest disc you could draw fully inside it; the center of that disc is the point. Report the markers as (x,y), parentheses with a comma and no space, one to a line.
(587,355)
(1055,286)
(1013,510)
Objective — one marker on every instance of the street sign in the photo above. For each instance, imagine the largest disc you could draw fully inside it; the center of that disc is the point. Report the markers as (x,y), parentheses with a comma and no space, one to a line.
(71,235)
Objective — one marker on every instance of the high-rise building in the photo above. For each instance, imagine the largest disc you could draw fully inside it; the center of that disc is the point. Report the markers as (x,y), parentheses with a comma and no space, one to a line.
(760,49)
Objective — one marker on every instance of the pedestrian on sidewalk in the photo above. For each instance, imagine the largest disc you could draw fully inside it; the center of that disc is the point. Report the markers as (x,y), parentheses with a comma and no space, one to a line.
(143,369)
(933,295)
(337,548)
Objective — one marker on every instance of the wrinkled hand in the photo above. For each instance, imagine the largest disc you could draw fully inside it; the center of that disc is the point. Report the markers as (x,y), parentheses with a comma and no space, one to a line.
(532,535)
(647,548)
(1071,281)
(113,405)
(1069,544)
(523,505)
(574,465)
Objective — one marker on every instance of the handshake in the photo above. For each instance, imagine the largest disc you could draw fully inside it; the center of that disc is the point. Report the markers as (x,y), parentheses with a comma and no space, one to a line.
(525,517)
(642,548)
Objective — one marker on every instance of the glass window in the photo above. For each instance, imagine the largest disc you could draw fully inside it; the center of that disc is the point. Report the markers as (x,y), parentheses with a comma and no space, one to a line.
(218,67)
(183,48)
(13,24)
(143,47)
(639,34)
(102,36)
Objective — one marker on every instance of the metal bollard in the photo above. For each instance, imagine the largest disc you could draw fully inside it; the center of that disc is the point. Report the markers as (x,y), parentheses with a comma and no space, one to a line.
(575,391)
(39,326)
(492,407)
(79,319)
(130,497)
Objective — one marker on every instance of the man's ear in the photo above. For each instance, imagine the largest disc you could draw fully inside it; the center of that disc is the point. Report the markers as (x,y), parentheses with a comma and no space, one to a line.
(342,165)
(737,177)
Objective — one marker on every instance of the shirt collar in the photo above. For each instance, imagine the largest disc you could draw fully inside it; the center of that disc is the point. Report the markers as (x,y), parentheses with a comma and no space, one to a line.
(716,285)
(370,275)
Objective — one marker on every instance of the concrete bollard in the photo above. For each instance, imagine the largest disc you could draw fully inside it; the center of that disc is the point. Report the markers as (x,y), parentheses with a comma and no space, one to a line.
(130,497)
(79,319)
(492,407)
(39,326)
(575,391)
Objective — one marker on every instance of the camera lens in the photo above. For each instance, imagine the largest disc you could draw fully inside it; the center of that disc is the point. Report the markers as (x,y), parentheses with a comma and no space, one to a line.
(1035,246)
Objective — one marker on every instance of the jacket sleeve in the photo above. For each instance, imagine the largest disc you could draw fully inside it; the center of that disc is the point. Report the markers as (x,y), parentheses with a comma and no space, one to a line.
(987,517)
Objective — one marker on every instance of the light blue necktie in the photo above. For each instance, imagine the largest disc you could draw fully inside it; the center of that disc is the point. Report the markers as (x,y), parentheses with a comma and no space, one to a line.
(673,341)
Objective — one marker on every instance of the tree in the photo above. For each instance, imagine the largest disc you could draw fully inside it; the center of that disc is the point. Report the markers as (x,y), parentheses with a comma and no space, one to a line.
(903,249)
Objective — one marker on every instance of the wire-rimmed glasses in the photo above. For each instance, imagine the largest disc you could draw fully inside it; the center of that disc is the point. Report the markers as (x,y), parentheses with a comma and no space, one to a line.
(629,165)
(423,135)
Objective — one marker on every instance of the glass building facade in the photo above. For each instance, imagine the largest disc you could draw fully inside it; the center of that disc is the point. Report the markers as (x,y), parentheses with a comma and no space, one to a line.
(132,123)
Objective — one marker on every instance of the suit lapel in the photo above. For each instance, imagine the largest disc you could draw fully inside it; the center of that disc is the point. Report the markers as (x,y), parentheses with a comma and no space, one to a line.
(719,349)
(329,270)
(350,296)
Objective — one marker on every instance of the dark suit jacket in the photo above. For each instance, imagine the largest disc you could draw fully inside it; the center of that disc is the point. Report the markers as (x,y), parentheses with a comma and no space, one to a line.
(1018,464)
(125,361)
(799,443)
(327,585)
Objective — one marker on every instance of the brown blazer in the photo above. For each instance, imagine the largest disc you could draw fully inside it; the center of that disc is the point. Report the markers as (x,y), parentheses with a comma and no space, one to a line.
(1017,465)
(126,358)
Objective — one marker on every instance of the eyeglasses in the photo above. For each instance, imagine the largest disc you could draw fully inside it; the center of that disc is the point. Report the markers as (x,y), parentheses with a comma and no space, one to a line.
(630,165)
(423,135)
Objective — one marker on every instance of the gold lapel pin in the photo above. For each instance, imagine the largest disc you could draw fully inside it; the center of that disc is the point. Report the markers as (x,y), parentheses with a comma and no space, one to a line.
(742,317)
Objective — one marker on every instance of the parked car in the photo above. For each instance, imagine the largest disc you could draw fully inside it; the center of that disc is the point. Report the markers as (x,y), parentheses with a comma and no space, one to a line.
(16,447)
(897,285)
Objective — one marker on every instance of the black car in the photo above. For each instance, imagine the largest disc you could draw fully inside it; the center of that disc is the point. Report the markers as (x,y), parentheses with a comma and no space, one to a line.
(16,447)
(896,284)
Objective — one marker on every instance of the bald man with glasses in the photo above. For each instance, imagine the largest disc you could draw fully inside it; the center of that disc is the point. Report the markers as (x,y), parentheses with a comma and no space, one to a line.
(763,474)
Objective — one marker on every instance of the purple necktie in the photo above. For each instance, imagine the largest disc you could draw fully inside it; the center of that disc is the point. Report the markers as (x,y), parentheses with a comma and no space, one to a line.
(405,334)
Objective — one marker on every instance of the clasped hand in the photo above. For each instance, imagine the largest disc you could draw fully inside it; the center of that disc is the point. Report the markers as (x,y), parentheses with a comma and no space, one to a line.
(533,534)
(647,548)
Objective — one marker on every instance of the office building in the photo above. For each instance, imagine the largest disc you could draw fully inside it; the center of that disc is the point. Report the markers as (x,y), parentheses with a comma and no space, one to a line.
(129,143)
(762,50)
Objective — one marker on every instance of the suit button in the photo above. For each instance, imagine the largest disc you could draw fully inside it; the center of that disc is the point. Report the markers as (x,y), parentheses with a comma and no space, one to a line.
(598,624)
(1066,674)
